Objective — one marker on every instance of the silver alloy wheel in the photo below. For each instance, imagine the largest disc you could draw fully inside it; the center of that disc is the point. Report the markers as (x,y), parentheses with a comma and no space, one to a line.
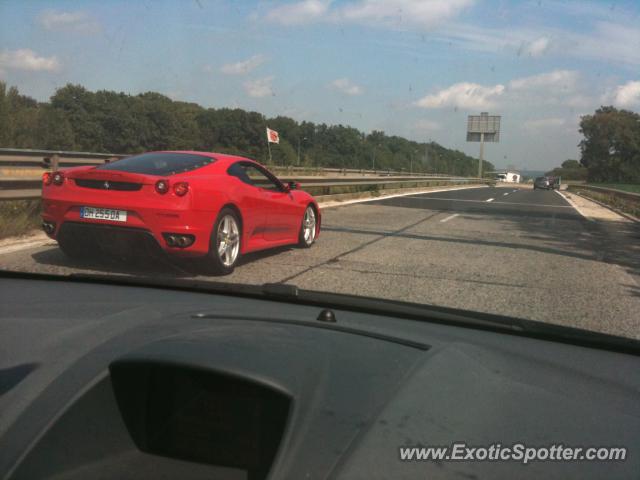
(309,225)
(228,240)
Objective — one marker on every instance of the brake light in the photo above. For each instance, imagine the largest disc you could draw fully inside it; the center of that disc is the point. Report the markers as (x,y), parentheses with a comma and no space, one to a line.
(181,189)
(162,186)
(46,178)
(58,178)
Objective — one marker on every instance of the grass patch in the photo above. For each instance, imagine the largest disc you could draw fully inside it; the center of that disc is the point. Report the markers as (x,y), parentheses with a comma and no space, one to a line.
(626,187)
(18,217)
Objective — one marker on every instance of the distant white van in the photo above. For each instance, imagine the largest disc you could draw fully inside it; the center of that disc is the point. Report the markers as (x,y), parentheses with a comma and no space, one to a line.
(509,177)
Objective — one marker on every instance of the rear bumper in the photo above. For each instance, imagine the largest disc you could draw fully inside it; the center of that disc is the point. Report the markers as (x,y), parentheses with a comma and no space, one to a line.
(146,210)
(110,238)
(142,225)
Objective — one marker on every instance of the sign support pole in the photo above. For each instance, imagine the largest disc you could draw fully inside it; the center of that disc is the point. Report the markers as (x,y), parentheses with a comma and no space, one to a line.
(481,159)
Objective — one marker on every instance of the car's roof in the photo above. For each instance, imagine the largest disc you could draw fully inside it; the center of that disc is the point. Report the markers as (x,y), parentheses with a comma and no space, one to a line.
(220,157)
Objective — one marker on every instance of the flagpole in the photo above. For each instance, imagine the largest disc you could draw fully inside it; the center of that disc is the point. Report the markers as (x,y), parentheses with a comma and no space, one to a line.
(269,145)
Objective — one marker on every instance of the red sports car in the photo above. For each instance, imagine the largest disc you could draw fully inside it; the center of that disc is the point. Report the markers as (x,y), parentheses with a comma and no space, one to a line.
(188,204)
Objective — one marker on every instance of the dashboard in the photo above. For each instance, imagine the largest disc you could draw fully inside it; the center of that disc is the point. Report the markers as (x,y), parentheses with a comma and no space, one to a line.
(107,381)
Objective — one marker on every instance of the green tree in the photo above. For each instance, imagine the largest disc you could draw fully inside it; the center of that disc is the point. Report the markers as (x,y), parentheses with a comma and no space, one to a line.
(571,164)
(611,145)
(107,121)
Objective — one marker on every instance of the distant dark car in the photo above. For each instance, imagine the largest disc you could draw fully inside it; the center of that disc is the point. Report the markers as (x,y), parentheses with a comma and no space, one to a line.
(546,183)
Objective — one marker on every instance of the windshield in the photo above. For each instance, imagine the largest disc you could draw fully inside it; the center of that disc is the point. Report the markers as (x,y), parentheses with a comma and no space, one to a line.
(158,163)
(469,154)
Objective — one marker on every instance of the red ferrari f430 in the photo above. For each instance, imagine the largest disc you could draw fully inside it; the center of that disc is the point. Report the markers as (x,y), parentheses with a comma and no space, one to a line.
(188,204)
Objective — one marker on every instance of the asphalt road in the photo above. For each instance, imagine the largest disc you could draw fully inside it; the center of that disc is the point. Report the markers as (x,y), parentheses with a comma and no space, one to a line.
(524,253)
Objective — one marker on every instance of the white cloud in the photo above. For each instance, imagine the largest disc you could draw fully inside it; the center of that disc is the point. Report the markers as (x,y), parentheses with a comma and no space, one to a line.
(538,47)
(463,95)
(608,42)
(68,21)
(625,96)
(394,13)
(544,123)
(346,86)
(557,79)
(611,42)
(558,87)
(298,13)
(25,59)
(259,88)
(580,101)
(421,13)
(243,67)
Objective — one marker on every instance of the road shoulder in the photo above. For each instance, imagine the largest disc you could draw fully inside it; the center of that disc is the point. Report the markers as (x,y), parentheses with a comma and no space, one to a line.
(591,210)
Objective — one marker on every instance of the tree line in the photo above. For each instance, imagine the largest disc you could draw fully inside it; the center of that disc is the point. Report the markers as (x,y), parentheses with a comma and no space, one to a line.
(77,119)
(569,170)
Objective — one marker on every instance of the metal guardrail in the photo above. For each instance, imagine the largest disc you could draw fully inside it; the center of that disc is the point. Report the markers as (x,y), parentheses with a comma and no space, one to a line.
(24,158)
(612,191)
(20,173)
(625,202)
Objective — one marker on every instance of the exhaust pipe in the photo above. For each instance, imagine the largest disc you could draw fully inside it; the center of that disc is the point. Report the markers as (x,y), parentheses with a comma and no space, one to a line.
(49,227)
(178,240)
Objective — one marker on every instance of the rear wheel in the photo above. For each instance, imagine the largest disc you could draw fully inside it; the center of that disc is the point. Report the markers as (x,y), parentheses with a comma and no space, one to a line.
(308,228)
(224,248)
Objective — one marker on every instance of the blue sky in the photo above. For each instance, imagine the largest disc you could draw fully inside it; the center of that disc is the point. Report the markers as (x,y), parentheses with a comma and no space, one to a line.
(415,68)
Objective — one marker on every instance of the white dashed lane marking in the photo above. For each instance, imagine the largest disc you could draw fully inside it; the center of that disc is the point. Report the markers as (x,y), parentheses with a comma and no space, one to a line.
(450,217)
(491,200)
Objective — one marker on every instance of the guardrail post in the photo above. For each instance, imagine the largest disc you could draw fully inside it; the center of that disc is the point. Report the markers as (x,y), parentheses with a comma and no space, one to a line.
(55,161)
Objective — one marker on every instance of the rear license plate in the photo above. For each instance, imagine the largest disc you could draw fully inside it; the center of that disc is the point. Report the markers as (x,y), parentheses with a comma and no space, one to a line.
(103,214)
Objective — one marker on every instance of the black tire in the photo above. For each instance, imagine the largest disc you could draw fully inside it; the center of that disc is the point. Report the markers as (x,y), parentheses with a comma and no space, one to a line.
(305,241)
(215,263)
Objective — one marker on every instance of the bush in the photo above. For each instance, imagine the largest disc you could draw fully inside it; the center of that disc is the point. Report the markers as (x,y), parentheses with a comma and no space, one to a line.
(18,217)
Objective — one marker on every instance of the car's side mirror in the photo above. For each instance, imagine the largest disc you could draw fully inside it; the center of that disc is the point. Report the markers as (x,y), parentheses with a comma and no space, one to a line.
(293,186)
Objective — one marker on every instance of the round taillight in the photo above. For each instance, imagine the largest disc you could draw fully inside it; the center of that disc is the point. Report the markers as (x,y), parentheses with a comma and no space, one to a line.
(162,186)
(46,178)
(181,189)
(58,178)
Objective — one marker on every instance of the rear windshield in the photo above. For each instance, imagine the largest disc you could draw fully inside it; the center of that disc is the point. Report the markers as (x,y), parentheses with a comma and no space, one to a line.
(162,164)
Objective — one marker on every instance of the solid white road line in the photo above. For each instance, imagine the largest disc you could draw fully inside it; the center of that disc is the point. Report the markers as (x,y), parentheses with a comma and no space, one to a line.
(450,217)
(573,205)
(491,200)
(336,203)
(485,201)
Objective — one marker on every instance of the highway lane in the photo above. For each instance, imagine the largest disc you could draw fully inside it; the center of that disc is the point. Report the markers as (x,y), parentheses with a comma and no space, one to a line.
(509,251)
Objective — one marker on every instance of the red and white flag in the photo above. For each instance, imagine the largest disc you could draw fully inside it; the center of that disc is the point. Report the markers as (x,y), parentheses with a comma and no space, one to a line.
(272,136)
